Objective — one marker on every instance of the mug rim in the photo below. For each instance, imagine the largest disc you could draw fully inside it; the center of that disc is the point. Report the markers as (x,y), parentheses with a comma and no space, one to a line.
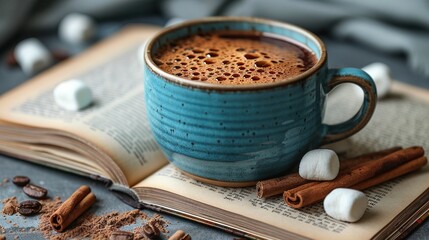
(212,86)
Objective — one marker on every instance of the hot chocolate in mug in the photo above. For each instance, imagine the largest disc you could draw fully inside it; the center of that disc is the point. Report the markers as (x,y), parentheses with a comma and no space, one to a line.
(241,133)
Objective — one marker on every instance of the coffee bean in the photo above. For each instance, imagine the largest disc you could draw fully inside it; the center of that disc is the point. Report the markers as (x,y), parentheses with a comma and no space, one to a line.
(151,231)
(20,180)
(29,207)
(35,191)
(121,235)
(10,59)
(60,55)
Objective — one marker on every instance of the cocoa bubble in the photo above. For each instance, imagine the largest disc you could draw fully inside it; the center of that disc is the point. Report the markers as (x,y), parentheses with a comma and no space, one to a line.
(251,56)
(262,64)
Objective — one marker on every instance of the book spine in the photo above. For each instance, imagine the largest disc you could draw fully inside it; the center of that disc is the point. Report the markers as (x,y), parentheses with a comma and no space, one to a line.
(126,195)
(414,226)
(193,218)
(107,182)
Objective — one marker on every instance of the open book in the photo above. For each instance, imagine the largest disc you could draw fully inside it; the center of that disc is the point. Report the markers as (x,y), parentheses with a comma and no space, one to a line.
(111,141)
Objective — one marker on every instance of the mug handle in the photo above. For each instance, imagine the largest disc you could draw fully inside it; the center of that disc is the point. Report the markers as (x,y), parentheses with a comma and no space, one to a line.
(345,129)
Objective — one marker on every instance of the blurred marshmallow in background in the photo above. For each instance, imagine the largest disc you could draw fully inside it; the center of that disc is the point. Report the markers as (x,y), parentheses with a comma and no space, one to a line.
(32,56)
(346,99)
(140,53)
(380,73)
(76,28)
(174,21)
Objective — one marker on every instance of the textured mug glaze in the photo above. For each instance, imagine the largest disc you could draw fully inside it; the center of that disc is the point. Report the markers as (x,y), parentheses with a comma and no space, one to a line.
(245,133)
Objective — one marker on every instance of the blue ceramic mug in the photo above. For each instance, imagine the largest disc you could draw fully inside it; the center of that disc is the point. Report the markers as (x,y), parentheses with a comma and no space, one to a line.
(244,133)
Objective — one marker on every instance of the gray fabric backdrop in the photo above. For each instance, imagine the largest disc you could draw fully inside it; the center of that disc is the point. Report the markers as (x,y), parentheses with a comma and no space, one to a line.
(393,26)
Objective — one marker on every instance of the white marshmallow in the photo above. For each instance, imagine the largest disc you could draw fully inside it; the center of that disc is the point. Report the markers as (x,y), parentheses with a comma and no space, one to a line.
(380,73)
(319,164)
(32,56)
(174,21)
(73,95)
(76,28)
(339,147)
(345,204)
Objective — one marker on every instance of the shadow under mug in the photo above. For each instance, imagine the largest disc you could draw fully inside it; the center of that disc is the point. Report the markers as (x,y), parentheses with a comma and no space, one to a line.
(238,134)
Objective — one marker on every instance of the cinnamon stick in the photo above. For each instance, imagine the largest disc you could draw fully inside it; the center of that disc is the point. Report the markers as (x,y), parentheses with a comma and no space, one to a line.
(180,235)
(408,167)
(72,208)
(362,159)
(300,197)
(276,186)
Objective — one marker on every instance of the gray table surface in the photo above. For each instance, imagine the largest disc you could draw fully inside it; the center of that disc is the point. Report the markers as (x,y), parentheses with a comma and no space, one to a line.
(62,184)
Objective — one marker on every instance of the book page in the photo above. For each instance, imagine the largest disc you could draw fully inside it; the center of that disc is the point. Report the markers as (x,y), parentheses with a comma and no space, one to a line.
(115,122)
(397,121)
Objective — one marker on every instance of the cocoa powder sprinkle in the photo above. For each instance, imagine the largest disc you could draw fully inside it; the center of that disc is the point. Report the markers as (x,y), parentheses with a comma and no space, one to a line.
(95,227)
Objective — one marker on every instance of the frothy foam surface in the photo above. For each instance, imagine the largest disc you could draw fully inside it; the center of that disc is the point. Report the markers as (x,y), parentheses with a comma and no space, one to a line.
(234,58)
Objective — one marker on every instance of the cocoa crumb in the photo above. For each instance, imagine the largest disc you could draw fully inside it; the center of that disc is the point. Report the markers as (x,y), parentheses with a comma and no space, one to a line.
(122,235)
(4,181)
(10,206)
(156,221)
(150,231)
(160,223)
